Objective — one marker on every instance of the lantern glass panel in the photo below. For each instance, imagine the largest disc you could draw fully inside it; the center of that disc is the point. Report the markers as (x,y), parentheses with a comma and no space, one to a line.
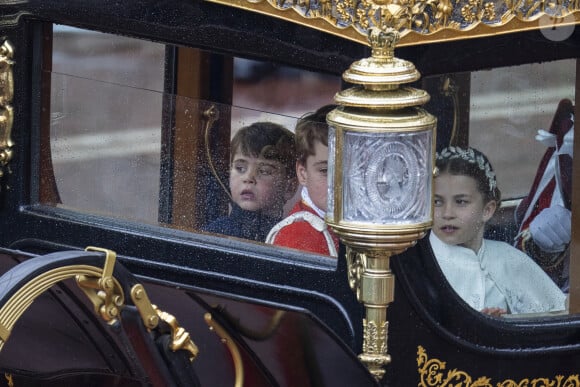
(386,177)
(330,173)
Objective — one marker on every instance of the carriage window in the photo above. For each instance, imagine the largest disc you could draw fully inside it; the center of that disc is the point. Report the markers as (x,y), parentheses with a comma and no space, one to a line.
(508,103)
(522,119)
(513,103)
(104,124)
(124,144)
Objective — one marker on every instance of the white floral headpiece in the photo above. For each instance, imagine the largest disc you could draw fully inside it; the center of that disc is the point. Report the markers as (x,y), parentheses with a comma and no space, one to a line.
(469,155)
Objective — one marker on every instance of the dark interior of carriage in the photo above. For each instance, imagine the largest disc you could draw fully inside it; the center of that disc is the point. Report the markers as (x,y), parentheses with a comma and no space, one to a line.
(114,129)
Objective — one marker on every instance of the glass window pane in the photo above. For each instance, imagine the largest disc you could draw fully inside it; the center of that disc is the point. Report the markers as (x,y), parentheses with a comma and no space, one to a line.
(511,104)
(520,117)
(113,153)
(105,120)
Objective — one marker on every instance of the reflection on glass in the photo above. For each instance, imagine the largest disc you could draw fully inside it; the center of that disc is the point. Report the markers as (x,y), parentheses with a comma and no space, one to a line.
(105,159)
(110,166)
(105,115)
(286,91)
(511,104)
(108,58)
(121,147)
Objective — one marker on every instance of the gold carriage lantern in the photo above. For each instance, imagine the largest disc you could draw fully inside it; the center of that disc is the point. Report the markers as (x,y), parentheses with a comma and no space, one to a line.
(381,151)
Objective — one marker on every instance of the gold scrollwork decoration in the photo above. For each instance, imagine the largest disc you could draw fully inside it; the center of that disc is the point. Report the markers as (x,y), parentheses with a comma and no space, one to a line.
(355,268)
(418,21)
(374,352)
(432,374)
(6,110)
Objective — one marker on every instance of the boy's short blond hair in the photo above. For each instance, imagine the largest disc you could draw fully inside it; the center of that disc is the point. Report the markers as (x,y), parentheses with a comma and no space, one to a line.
(266,140)
(310,129)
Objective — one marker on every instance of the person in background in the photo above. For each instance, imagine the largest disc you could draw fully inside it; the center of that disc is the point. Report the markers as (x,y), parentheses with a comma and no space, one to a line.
(491,276)
(305,228)
(261,180)
(544,216)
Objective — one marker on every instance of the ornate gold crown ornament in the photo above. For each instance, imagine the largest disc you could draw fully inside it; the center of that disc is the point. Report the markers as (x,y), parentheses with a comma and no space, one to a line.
(381,153)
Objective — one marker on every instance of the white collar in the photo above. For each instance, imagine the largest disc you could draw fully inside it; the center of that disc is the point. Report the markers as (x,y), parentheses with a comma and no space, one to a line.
(310,203)
(447,251)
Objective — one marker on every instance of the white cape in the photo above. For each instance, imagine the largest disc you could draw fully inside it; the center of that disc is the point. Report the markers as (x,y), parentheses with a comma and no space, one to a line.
(499,275)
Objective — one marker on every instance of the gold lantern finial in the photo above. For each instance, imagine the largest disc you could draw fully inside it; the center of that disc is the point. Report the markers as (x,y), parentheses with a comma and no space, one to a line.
(383,43)
(381,150)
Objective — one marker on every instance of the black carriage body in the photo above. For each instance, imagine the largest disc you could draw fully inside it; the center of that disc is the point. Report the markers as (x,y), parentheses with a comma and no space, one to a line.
(433,337)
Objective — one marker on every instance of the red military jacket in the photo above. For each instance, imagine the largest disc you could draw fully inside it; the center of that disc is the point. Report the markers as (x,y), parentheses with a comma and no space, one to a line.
(303,229)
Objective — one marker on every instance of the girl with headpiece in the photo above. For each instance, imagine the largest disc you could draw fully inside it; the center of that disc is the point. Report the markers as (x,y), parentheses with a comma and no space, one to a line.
(492,277)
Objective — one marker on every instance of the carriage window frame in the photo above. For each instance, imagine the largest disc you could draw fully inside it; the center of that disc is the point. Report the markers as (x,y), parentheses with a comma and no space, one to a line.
(249,77)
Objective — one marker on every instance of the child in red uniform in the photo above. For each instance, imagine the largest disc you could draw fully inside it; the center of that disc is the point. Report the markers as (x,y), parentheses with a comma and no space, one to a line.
(304,228)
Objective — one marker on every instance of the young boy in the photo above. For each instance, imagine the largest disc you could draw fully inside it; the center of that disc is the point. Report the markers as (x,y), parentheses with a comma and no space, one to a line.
(261,181)
(305,228)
